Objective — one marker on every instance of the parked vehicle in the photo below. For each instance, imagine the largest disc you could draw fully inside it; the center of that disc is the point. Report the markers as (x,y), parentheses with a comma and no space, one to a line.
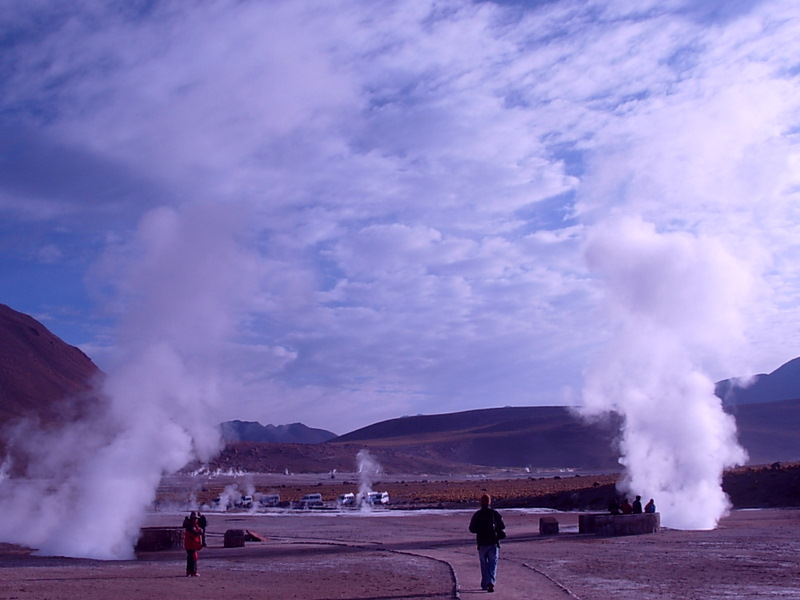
(310,501)
(245,502)
(221,504)
(346,499)
(378,498)
(269,499)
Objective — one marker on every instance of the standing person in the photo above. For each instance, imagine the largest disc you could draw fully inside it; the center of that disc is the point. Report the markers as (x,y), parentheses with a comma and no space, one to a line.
(192,542)
(613,507)
(489,529)
(202,522)
(637,506)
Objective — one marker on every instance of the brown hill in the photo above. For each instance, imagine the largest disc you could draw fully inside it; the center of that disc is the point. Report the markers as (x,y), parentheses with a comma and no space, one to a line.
(43,376)
(270,457)
(294,433)
(531,436)
(782,384)
(40,375)
(768,430)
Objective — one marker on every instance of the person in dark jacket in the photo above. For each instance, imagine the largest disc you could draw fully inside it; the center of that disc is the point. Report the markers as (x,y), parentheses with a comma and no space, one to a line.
(613,507)
(489,529)
(636,508)
(202,522)
(192,542)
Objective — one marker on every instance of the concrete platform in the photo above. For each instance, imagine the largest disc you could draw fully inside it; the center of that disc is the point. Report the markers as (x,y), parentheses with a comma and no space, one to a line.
(616,525)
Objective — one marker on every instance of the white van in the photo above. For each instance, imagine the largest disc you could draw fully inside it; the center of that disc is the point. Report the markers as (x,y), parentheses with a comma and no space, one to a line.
(348,499)
(245,502)
(269,499)
(310,500)
(378,498)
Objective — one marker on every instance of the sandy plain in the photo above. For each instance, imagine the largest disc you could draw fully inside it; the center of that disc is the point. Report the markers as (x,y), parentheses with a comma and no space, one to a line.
(428,554)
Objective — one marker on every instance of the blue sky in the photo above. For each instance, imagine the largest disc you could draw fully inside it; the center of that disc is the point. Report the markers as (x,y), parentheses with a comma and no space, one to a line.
(346,211)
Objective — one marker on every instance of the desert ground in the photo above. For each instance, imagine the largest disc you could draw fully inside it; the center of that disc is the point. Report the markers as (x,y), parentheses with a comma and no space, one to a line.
(407,554)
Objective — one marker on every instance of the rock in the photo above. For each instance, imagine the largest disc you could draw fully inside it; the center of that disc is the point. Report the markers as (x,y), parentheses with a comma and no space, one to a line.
(156,539)
(234,538)
(548,526)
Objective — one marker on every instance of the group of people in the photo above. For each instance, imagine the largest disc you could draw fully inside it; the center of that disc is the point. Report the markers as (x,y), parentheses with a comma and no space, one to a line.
(628,508)
(194,539)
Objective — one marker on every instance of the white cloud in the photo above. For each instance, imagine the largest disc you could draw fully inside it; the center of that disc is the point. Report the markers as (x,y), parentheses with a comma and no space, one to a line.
(348,211)
(420,177)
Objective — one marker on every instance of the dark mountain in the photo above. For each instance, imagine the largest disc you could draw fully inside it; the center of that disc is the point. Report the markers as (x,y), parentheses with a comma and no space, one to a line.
(250,431)
(782,384)
(768,430)
(261,457)
(40,374)
(553,437)
(537,437)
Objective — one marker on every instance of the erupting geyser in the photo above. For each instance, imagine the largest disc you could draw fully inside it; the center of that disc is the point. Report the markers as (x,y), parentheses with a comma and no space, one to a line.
(677,299)
(368,469)
(88,485)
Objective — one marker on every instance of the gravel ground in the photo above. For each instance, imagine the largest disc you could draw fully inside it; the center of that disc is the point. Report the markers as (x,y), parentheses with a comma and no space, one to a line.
(413,555)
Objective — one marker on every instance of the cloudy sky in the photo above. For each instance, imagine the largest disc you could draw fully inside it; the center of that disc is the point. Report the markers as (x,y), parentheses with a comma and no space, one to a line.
(357,210)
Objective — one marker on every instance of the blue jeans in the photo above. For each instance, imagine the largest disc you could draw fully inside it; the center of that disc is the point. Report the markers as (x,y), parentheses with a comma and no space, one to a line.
(488,556)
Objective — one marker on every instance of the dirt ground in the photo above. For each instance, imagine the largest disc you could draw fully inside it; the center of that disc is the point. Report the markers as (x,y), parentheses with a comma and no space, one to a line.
(416,555)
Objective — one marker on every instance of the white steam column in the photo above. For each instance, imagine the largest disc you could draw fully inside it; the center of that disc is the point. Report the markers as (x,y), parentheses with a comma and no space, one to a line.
(677,299)
(181,285)
(368,469)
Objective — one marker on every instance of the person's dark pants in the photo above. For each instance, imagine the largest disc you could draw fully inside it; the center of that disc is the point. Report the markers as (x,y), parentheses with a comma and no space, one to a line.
(191,562)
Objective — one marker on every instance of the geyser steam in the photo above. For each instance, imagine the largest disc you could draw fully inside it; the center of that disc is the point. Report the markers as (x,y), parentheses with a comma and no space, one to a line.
(368,470)
(678,300)
(87,486)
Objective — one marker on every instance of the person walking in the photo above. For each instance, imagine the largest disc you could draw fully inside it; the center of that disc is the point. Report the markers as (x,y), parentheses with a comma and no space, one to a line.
(192,543)
(489,529)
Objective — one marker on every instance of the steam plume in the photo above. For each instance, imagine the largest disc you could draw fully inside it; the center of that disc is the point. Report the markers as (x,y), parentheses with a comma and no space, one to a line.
(368,469)
(678,300)
(89,484)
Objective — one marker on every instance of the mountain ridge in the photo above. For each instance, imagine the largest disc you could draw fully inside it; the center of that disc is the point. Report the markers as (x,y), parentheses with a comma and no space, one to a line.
(253,431)
(40,375)
(43,377)
(781,384)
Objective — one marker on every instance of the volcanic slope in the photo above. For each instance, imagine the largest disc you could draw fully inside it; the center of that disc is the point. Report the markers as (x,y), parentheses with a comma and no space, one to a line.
(40,375)
(535,437)
(768,430)
(781,384)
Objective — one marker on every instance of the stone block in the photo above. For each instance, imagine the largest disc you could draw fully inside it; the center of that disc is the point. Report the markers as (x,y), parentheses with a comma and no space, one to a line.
(586,522)
(616,525)
(548,526)
(234,538)
(156,539)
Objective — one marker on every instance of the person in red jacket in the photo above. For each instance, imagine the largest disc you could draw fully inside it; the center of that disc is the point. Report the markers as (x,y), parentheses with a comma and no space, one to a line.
(192,542)
(626,507)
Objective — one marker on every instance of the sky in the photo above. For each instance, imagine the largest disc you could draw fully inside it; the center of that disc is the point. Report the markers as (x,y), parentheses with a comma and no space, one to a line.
(342,212)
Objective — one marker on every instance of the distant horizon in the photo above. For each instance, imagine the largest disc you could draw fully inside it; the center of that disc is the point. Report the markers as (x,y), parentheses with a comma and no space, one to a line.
(370,209)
